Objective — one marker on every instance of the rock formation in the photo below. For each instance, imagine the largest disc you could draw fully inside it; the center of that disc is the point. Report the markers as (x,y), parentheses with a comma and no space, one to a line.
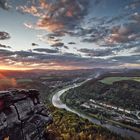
(22,115)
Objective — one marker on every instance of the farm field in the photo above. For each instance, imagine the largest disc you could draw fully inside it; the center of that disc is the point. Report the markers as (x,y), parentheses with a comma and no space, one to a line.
(110,80)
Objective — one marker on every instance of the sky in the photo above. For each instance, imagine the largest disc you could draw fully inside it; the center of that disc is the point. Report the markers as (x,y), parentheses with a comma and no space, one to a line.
(69,34)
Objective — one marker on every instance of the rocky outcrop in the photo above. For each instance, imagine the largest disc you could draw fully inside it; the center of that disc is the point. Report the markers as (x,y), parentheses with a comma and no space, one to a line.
(22,115)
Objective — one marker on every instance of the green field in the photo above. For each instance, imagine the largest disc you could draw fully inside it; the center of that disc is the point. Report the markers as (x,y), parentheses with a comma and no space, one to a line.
(51,77)
(24,80)
(47,78)
(6,81)
(110,80)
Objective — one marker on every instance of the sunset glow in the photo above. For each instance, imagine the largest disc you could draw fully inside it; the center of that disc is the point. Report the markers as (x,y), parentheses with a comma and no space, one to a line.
(65,34)
(45,68)
(70,69)
(12,68)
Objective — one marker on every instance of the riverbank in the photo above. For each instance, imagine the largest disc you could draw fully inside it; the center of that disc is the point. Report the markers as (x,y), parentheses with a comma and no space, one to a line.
(69,126)
(56,101)
(62,98)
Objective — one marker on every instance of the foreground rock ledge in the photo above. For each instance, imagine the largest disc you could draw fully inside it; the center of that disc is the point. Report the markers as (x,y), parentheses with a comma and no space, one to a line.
(22,115)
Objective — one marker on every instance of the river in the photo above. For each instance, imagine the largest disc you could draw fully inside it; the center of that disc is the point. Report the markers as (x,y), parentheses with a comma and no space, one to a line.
(117,129)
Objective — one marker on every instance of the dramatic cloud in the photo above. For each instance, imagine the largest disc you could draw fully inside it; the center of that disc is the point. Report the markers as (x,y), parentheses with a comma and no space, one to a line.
(66,47)
(128,59)
(136,17)
(34,44)
(133,5)
(92,34)
(98,33)
(56,34)
(71,43)
(98,52)
(46,50)
(59,44)
(4,5)
(57,15)
(4,46)
(124,33)
(41,60)
(4,35)
(137,50)
(50,39)
(5,53)
(115,19)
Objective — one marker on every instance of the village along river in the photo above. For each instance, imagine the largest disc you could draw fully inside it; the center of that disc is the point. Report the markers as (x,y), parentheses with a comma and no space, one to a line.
(56,101)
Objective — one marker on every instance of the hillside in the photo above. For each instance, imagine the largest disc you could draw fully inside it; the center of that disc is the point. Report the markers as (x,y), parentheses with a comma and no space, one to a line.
(68,126)
(116,102)
(125,93)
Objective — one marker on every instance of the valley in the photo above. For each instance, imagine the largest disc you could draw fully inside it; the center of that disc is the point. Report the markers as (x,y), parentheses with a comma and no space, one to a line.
(110,108)
(75,113)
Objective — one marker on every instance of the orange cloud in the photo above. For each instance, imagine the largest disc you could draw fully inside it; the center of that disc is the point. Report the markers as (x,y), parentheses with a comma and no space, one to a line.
(130,65)
(52,65)
(49,25)
(69,13)
(56,15)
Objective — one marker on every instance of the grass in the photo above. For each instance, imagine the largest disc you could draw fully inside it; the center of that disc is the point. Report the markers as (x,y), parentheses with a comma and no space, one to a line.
(50,77)
(5,81)
(24,80)
(110,80)
(46,78)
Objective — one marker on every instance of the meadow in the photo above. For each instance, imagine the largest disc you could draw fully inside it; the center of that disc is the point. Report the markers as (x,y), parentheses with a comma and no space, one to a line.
(110,80)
